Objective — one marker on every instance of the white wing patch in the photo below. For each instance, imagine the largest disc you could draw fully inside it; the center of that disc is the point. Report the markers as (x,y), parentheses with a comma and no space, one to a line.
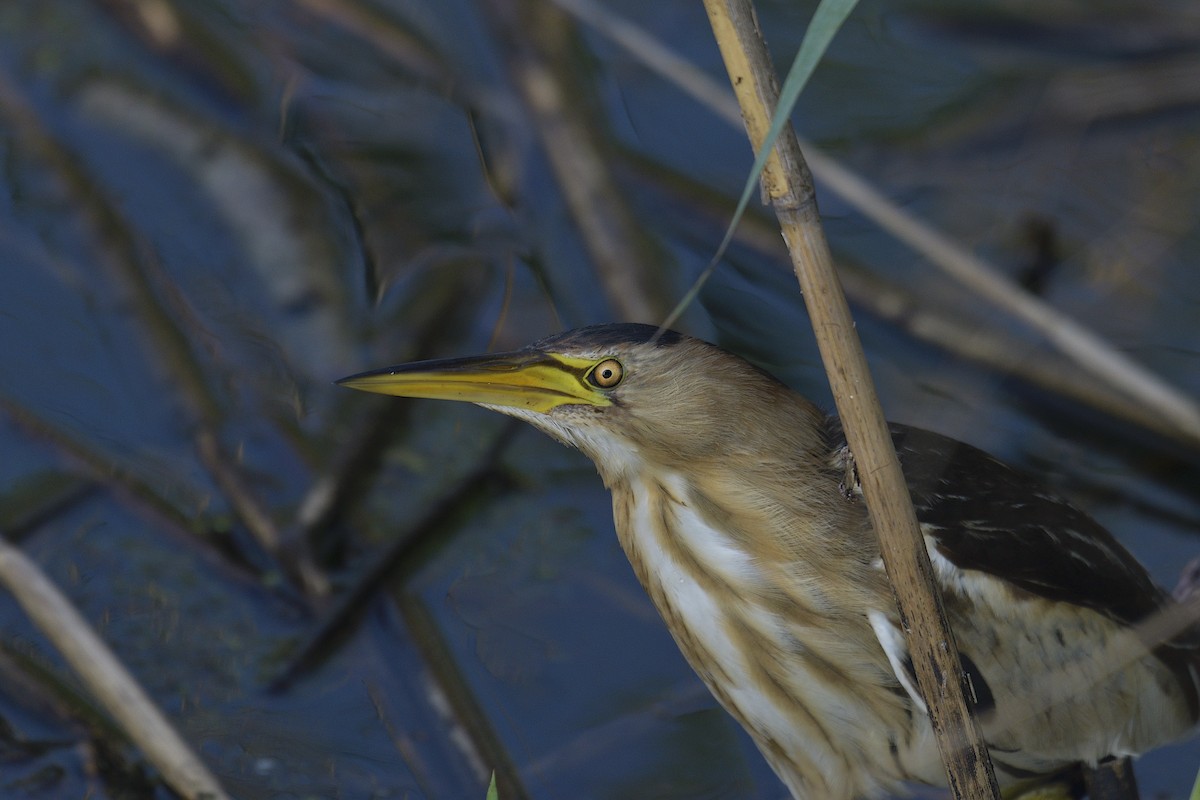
(978,587)
(891,639)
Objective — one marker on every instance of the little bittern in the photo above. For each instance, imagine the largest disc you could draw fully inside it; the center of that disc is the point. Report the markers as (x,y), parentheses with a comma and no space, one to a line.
(736,503)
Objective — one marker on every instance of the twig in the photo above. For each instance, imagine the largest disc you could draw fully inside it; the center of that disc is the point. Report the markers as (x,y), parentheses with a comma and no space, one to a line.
(106,678)
(67,492)
(537,36)
(961,335)
(336,621)
(346,476)
(390,38)
(163,312)
(245,505)
(1086,348)
(787,181)
(448,691)
(106,471)
(349,473)
(297,565)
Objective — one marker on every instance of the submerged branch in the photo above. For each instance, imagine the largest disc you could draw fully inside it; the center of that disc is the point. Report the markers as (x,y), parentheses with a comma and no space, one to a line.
(114,688)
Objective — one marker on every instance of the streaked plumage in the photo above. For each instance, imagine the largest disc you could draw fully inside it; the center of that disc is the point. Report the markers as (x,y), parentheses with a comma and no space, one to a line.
(735,501)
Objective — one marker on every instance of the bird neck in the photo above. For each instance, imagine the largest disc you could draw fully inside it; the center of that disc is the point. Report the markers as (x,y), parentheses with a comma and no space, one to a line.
(762,529)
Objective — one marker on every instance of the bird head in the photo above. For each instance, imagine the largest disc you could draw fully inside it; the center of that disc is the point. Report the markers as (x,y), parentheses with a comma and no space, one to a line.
(624,394)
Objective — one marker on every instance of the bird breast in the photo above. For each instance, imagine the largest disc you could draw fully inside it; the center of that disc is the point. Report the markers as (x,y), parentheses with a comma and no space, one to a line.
(800,670)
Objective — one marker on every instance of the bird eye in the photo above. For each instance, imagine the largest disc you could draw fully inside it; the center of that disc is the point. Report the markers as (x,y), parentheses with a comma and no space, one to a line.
(606,374)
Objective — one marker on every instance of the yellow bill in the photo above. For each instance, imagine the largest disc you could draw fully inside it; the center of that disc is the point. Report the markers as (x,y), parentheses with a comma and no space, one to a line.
(531,380)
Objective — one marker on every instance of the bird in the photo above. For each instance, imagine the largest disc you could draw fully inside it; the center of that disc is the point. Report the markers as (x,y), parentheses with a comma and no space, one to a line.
(736,502)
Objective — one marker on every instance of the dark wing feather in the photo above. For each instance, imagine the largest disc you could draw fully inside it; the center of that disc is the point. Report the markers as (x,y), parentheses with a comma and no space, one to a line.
(985,516)
(988,517)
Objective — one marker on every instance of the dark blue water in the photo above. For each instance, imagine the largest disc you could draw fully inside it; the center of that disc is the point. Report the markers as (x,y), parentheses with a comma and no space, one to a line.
(208,217)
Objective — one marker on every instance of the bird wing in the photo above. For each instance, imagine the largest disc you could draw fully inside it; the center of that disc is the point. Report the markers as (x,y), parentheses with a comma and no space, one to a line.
(985,516)
(988,517)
